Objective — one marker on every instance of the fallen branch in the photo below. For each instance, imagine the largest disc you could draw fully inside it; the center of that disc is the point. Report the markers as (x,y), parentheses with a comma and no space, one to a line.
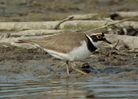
(98,24)
(128,14)
(35,33)
(85,16)
(62,21)
(125,41)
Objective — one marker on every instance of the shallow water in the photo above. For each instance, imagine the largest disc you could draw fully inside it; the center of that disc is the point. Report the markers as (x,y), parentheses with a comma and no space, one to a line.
(69,89)
(45,79)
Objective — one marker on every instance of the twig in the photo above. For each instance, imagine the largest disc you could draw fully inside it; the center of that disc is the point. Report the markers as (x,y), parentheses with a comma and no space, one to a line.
(107,25)
(60,22)
(114,47)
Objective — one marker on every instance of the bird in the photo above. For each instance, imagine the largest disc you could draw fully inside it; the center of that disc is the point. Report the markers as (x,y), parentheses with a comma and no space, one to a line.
(71,46)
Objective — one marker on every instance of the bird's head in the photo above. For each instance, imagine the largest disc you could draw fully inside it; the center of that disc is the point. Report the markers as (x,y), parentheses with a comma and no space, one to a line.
(99,37)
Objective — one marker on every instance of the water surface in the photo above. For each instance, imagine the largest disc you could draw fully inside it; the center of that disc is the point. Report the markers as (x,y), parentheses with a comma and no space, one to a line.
(69,89)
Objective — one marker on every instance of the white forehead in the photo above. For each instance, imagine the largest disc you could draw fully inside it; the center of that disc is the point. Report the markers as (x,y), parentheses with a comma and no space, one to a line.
(96,34)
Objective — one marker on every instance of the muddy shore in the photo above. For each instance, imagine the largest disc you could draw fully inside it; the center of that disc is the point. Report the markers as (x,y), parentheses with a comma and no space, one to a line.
(17,64)
(33,74)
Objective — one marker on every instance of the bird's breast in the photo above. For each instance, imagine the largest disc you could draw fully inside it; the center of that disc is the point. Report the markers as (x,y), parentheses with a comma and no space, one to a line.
(80,52)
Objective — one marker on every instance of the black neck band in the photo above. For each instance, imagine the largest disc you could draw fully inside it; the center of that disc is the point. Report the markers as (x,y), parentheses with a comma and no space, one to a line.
(90,45)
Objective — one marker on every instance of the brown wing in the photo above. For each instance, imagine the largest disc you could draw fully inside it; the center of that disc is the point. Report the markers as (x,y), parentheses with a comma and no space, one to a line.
(63,42)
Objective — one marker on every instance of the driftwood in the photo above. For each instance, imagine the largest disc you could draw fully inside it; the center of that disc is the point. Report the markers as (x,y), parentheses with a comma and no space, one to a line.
(118,41)
(85,16)
(18,26)
(96,16)
(123,15)
(78,21)
(128,14)
(124,41)
(78,24)
(35,33)
(37,30)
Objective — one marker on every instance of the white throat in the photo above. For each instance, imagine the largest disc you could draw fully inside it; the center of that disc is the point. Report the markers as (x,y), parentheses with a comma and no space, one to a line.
(97,44)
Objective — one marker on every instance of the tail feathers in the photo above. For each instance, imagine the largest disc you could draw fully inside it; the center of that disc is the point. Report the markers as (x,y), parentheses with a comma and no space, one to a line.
(28,44)
(25,44)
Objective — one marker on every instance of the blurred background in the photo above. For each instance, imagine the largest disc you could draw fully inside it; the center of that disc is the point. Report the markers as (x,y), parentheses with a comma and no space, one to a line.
(43,10)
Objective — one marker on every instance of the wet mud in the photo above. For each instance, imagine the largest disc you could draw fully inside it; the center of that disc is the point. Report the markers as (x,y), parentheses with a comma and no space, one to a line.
(33,74)
(18,61)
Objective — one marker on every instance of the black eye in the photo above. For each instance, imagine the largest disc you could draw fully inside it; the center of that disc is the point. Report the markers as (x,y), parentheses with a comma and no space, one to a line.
(99,37)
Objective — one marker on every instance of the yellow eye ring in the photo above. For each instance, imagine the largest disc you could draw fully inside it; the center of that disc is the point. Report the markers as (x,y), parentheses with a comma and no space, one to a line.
(99,36)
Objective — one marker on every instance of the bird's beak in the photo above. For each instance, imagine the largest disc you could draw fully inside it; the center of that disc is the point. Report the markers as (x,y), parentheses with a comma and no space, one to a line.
(105,40)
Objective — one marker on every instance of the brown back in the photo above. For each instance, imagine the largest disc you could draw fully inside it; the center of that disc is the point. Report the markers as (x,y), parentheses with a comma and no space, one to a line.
(63,42)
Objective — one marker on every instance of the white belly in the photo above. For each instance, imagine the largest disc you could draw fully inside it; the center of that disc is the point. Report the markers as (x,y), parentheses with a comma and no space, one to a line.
(79,53)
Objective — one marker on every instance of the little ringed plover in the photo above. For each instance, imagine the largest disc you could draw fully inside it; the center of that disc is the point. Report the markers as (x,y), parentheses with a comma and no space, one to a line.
(71,46)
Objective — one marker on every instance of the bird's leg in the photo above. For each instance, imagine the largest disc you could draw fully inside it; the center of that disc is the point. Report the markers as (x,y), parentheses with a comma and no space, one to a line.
(67,67)
(61,64)
(78,70)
